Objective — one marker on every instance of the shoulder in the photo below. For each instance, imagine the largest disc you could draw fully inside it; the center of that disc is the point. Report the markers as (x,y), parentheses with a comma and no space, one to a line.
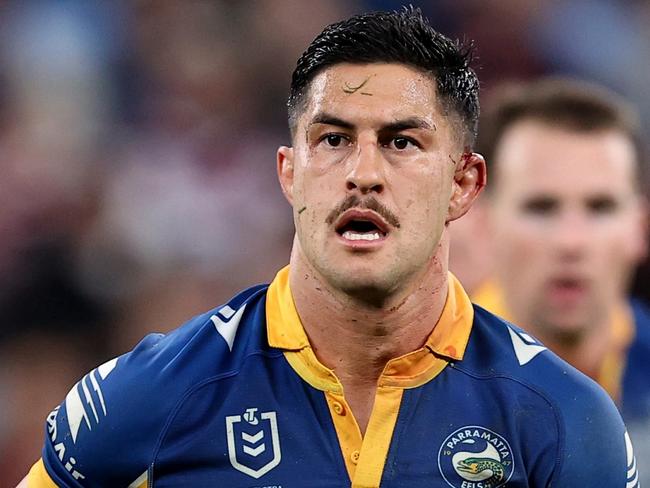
(498,348)
(590,435)
(106,430)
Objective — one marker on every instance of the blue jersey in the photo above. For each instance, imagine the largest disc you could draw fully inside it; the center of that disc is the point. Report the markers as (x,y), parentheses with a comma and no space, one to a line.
(635,401)
(237,398)
(625,367)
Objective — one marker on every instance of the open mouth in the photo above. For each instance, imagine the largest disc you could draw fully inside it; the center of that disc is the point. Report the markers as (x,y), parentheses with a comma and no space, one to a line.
(567,289)
(568,283)
(358,225)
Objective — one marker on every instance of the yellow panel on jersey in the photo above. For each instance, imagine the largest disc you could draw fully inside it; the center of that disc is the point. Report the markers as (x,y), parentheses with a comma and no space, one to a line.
(374,450)
(365,457)
(141,482)
(347,431)
(610,374)
(38,477)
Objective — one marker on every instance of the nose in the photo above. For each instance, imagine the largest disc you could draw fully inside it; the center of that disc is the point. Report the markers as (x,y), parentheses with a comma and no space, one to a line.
(366,169)
(571,235)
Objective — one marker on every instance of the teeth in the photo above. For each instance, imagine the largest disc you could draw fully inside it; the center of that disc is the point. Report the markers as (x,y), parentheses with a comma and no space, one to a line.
(353,236)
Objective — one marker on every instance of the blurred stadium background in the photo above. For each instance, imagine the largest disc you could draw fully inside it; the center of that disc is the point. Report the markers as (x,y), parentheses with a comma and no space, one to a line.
(137,159)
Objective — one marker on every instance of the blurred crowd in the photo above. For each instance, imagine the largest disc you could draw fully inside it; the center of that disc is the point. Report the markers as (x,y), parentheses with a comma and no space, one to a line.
(137,159)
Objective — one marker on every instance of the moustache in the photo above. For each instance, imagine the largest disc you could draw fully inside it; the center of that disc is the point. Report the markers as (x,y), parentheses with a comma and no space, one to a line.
(370,203)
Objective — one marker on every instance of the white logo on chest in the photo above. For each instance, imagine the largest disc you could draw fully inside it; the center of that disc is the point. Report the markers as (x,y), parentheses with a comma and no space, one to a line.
(254,442)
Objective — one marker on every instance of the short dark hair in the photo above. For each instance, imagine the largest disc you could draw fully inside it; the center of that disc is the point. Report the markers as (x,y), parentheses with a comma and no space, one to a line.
(570,104)
(403,37)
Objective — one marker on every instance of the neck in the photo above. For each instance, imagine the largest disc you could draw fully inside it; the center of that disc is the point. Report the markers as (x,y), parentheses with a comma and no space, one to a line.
(356,338)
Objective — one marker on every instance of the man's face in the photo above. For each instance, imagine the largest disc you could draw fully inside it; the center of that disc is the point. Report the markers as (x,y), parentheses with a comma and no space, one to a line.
(370,175)
(568,225)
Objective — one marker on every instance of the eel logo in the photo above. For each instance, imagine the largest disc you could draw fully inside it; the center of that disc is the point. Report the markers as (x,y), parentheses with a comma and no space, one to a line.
(475,457)
(254,442)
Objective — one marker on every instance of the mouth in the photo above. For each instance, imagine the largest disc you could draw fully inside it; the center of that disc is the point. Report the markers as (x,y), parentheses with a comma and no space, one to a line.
(567,290)
(361,227)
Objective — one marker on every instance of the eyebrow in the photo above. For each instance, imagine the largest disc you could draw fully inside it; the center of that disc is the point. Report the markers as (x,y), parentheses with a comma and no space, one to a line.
(409,123)
(327,119)
(396,126)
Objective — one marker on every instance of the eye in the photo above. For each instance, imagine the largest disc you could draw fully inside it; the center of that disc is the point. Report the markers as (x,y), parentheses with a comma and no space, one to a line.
(540,206)
(401,143)
(602,205)
(335,140)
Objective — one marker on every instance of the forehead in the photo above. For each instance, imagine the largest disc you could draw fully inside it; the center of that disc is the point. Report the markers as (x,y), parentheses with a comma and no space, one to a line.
(378,90)
(536,157)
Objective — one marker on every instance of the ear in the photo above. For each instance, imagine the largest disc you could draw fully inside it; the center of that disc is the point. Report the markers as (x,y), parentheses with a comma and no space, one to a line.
(470,178)
(285,171)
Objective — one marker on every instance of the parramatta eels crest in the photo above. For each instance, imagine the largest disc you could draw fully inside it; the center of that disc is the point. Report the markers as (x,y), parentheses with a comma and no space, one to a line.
(475,457)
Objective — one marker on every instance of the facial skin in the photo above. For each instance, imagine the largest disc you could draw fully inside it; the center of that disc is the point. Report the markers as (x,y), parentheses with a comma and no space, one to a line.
(568,225)
(373,140)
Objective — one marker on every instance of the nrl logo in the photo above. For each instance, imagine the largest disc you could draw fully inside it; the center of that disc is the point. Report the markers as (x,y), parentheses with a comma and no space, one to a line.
(253,443)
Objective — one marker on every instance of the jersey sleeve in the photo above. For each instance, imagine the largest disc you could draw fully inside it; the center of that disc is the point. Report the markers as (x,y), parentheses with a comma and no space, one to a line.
(597,451)
(108,430)
(104,432)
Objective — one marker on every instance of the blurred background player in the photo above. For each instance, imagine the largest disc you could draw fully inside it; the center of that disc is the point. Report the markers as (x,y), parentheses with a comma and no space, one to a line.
(567,226)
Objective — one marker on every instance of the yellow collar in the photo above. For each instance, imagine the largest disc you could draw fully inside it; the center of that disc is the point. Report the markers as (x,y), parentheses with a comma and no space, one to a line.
(448,339)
